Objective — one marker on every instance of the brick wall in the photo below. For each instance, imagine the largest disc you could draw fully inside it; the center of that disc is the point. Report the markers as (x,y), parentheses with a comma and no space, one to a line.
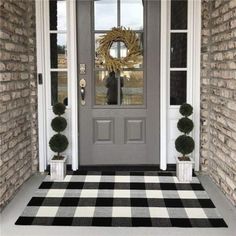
(218,94)
(18,97)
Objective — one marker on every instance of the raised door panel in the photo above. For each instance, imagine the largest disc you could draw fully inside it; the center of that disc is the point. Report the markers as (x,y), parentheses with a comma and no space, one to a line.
(135,130)
(103,131)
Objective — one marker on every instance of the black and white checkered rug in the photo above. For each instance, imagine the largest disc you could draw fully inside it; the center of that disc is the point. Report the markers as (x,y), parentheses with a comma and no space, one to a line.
(118,198)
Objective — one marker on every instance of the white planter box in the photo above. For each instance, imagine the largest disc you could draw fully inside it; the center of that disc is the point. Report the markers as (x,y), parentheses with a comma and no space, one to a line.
(58,169)
(184,170)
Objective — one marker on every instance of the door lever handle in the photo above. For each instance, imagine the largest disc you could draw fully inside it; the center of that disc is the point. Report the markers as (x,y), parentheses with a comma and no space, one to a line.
(82,91)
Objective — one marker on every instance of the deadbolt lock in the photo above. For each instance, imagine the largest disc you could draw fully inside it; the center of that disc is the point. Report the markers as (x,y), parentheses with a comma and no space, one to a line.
(82,83)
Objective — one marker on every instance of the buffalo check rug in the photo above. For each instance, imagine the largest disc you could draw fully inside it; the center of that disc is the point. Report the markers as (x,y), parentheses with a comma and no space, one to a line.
(123,199)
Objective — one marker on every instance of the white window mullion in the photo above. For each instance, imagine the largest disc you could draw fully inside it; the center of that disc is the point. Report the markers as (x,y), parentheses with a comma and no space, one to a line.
(58,69)
(178,31)
(57,31)
(178,69)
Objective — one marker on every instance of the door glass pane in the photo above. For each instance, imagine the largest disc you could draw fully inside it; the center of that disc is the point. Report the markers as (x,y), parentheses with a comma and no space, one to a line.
(105,14)
(57,15)
(112,85)
(127,87)
(178,87)
(101,89)
(132,14)
(132,88)
(59,87)
(114,51)
(178,53)
(179,10)
(98,63)
(58,50)
(139,64)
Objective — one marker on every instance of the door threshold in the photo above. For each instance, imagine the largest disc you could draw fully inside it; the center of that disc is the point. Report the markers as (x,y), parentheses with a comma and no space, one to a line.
(170,167)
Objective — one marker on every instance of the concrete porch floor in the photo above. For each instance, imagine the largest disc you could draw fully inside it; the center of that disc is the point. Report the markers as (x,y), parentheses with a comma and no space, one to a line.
(17,205)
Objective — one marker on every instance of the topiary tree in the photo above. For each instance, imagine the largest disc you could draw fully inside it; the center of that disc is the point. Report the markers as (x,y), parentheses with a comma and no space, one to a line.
(59,142)
(184,143)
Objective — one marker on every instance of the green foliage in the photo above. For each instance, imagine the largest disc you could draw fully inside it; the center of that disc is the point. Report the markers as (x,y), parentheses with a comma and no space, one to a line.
(59,109)
(58,143)
(185,125)
(186,110)
(184,144)
(59,124)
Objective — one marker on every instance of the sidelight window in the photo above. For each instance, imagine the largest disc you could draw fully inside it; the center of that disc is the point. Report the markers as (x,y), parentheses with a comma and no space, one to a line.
(178,52)
(58,51)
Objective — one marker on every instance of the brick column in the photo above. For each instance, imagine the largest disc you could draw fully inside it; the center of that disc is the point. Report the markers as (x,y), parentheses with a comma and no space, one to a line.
(218,94)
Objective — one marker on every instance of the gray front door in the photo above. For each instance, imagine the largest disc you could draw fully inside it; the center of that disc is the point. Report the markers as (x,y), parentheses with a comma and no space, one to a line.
(119,123)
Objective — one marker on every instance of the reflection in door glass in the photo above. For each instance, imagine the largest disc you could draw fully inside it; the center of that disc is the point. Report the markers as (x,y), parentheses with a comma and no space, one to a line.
(59,87)
(100,87)
(133,88)
(98,63)
(132,14)
(112,85)
(107,88)
(139,64)
(105,14)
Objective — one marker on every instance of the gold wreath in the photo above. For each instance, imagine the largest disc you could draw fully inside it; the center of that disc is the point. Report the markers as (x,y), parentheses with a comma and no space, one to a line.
(131,41)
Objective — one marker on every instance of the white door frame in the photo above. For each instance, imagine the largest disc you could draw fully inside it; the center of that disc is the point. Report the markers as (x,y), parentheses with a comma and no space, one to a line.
(42,23)
(163,85)
(193,85)
(72,74)
(42,144)
(196,74)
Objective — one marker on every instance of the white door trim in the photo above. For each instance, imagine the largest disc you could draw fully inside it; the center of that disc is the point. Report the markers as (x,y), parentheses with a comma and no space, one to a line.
(197,79)
(42,144)
(163,84)
(72,75)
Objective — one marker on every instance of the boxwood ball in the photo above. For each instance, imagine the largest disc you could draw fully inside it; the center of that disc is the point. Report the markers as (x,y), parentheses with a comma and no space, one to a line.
(59,124)
(186,110)
(185,125)
(59,109)
(184,144)
(58,143)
